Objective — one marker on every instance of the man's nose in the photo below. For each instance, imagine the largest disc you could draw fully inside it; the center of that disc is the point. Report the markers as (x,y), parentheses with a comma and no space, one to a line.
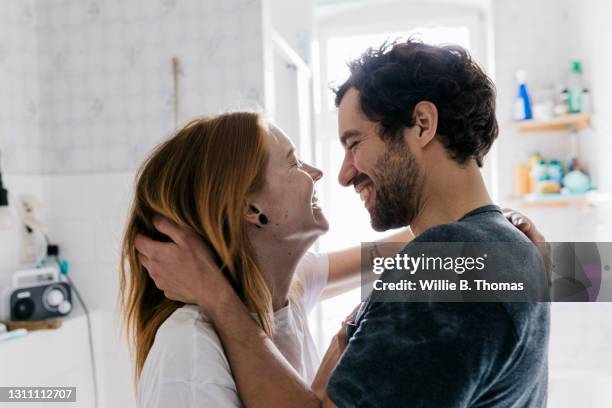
(347,172)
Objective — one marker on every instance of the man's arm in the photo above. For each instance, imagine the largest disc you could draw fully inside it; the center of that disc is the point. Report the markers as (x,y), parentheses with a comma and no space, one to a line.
(263,376)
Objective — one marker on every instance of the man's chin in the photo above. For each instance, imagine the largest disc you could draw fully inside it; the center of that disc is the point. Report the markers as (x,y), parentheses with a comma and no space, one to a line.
(376,222)
(379,224)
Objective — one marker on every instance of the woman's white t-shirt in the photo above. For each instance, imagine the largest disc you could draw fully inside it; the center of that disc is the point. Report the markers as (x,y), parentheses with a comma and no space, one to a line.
(187,367)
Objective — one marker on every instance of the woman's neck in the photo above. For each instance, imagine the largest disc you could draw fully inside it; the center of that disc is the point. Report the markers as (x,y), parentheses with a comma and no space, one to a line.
(277,263)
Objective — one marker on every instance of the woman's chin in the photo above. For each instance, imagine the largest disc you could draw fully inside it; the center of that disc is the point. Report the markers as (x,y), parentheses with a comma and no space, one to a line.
(320,219)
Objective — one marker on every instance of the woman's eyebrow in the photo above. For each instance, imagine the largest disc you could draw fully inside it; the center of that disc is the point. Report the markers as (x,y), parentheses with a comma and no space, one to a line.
(290,152)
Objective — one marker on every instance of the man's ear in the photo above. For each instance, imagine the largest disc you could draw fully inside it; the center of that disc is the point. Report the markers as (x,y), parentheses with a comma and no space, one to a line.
(425,118)
(251,215)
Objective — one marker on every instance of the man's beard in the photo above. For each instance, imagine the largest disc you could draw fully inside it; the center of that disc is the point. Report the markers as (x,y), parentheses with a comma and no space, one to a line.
(399,184)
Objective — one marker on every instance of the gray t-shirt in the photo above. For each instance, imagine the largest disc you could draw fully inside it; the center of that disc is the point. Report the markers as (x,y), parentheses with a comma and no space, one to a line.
(449,354)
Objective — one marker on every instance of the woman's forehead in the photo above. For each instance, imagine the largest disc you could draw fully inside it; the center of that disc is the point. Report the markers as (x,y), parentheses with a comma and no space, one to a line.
(279,139)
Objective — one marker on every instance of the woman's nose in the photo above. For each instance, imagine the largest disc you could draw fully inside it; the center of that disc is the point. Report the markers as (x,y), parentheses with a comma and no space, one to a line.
(314,172)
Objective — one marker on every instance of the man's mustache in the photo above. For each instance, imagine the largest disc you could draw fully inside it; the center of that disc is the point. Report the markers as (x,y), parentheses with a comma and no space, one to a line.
(360,178)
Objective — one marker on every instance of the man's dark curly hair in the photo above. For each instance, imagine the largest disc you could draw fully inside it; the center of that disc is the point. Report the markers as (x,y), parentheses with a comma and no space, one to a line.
(392,79)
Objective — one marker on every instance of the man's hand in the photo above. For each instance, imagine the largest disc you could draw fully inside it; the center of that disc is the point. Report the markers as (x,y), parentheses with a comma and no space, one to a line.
(332,356)
(183,269)
(527,227)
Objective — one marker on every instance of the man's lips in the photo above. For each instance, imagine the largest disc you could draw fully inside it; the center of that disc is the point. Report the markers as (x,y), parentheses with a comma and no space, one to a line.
(361,181)
(364,187)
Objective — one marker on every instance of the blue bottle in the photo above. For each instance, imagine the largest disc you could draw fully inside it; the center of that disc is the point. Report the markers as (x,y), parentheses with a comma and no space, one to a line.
(522,104)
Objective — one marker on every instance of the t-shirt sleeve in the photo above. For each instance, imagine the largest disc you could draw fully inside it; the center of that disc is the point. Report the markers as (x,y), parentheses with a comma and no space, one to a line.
(312,273)
(420,355)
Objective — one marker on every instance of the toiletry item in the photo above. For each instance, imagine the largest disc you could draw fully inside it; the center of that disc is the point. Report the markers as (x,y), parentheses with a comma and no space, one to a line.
(539,172)
(522,103)
(555,171)
(585,100)
(2,328)
(521,180)
(561,103)
(574,164)
(533,161)
(577,182)
(548,187)
(575,87)
(543,102)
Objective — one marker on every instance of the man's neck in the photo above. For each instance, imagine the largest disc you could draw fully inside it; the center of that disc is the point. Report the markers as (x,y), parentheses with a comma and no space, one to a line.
(448,194)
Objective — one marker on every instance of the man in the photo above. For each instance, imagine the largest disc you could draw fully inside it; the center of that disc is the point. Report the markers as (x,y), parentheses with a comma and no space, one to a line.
(416,122)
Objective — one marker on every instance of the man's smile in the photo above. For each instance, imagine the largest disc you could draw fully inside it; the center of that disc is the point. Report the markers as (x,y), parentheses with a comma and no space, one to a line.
(364,187)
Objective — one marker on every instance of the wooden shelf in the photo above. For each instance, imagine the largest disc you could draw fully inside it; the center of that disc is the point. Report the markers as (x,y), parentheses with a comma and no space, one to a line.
(572,122)
(552,200)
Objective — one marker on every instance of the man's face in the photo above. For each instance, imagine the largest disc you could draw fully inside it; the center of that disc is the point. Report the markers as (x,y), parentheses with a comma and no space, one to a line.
(386,175)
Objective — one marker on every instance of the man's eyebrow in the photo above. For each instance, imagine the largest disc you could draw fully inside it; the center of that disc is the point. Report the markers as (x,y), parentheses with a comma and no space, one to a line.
(290,152)
(347,135)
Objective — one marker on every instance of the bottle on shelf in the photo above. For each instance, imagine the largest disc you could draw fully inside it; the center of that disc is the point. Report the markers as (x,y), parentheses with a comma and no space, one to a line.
(522,103)
(575,88)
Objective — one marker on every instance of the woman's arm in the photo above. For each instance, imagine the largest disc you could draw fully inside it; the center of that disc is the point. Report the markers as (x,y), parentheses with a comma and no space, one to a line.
(345,264)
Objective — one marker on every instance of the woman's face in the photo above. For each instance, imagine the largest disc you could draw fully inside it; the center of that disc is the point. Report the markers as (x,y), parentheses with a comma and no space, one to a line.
(288,197)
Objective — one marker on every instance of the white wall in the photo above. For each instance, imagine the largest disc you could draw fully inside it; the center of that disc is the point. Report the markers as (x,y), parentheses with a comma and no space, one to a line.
(529,35)
(86,90)
(19,101)
(591,24)
(542,37)
(106,83)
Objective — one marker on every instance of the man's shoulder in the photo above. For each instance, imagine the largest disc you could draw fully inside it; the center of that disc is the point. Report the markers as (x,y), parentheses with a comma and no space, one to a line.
(483,227)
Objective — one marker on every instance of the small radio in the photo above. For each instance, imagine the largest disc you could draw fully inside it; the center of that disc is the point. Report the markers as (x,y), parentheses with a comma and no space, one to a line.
(36,294)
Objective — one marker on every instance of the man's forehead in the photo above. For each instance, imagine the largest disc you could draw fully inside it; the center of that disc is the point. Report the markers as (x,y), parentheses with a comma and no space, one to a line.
(350,101)
(351,119)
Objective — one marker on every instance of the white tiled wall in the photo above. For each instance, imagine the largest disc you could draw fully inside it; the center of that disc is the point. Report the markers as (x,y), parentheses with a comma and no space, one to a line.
(88,86)
(19,98)
(106,79)
(591,24)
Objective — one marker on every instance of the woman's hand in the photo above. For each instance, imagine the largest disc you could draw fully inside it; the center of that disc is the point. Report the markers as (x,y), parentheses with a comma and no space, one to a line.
(183,269)
(527,227)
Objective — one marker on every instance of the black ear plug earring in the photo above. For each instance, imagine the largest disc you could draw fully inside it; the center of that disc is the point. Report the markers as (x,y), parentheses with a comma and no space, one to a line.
(263,219)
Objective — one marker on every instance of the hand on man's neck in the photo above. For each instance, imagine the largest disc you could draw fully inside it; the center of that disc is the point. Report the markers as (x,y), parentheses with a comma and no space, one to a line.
(450,191)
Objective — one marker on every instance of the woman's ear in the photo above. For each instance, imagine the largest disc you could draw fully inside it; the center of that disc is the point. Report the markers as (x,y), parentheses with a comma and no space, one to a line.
(251,215)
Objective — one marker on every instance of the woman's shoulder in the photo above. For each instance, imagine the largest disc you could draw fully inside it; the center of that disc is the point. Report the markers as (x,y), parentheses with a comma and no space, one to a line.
(187,348)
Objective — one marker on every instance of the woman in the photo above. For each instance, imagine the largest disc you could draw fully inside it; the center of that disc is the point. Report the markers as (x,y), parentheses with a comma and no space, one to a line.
(237,184)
